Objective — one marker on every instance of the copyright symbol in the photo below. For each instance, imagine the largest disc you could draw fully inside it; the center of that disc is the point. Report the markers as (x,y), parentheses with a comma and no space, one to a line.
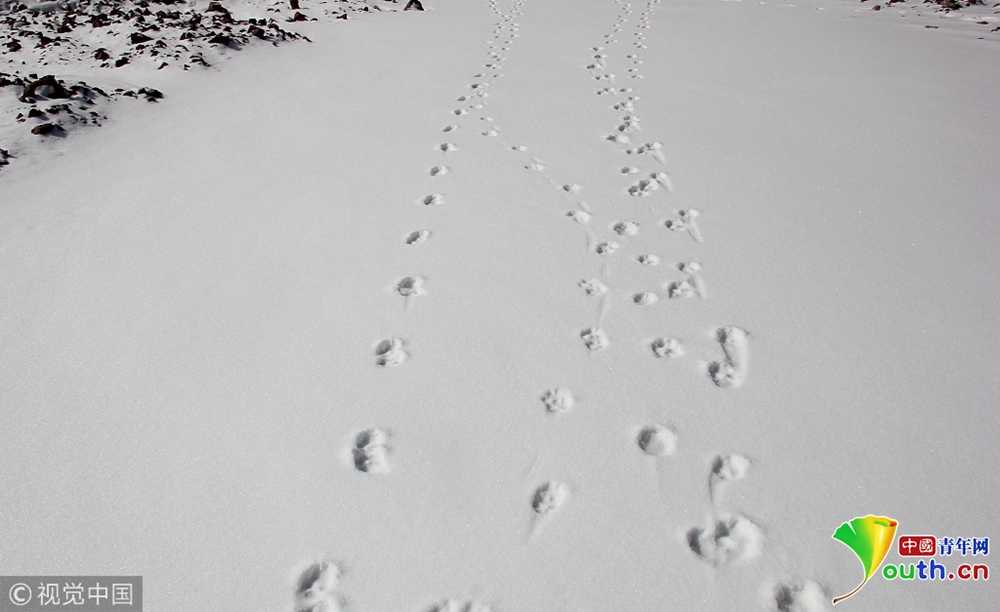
(20,594)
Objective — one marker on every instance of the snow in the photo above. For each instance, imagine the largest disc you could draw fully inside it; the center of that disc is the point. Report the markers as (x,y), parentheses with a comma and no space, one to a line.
(299,335)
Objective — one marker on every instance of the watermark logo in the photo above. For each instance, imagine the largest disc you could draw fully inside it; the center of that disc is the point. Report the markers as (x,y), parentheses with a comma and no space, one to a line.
(20,594)
(871,539)
(71,593)
(917,546)
(929,546)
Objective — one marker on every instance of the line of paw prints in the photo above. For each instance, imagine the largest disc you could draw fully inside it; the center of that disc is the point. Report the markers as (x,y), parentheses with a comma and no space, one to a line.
(392,352)
(369,452)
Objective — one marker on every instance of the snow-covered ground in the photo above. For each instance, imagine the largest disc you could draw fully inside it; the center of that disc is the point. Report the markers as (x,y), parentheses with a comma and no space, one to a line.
(529,305)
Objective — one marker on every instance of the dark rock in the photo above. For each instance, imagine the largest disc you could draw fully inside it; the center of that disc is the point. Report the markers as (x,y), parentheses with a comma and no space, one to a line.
(220,39)
(216,7)
(47,128)
(138,37)
(121,61)
(46,86)
(102,54)
(413,5)
(14,46)
(299,17)
(151,94)
(35,113)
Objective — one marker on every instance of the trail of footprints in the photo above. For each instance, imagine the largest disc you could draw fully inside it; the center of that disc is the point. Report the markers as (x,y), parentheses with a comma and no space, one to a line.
(725,537)
(317,590)
(687,281)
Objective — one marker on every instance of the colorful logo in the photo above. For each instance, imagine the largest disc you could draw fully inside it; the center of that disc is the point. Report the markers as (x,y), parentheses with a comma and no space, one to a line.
(870,537)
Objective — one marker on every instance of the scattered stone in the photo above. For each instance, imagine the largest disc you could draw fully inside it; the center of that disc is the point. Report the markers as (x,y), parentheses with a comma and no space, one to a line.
(152,95)
(221,39)
(47,128)
(47,86)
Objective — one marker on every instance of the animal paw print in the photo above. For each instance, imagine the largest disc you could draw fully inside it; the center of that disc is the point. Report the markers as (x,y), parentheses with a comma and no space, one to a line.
(549,497)
(726,469)
(805,596)
(607,248)
(645,298)
(558,400)
(418,236)
(371,450)
(593,287)
(626,228)
(657,440)
(411,286)
(732,371)
(726,539)
(390,352)
(594,338)
(650,148)
(317,588)
(667,347)
(686,223)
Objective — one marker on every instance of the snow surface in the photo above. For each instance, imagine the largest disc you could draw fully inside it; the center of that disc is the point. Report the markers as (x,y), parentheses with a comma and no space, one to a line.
(259,348)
